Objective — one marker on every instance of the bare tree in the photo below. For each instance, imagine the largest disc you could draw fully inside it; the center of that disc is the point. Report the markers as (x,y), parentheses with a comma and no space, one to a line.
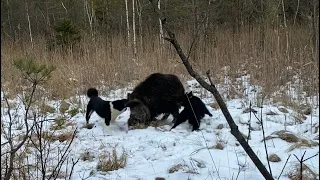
(134,29)
(161,40)
(128,25)
(316,27)
(139,12)
(90,15)
(211,88)
(29,24)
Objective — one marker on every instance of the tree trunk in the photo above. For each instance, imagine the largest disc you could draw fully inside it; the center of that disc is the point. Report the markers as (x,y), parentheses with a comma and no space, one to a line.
(128,25)
(90,14)
(161,40)
(29,25)
(134,30)
(316,28)
(139,10)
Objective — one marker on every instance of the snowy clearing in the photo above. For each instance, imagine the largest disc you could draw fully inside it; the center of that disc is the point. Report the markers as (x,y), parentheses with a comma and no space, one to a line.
(212,153)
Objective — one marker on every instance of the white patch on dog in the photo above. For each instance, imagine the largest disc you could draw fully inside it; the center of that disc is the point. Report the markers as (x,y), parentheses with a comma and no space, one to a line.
(114,112)
(122,120)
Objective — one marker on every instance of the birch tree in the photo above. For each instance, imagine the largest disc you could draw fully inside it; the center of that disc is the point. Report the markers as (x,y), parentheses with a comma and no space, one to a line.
(128,25)
(139,12)
(134,30)
(90,15)
(161,40)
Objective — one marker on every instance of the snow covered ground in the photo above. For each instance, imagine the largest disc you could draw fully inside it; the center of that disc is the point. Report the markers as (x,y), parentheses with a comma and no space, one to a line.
(212,153)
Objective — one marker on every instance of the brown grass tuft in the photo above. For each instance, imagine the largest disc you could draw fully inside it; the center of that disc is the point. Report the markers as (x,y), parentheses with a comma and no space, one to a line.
(283,110)
(302,143)
(158,123)
(284,135)
(65,136)
(271,113)
(182,167)
(44,109)
(307,173)
(112,161)
(220,126)
(274,158)
(59,123)
(64,106)
(219,145)
(138,126)
(86,156)
(299,117)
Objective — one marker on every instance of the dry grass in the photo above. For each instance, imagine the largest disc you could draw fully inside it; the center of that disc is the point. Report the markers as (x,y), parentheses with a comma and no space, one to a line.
(219,145)
(214,105)
(139,126)
(59,123)
(307,173)
(298,118)
(283,110)
(284,135)
(274,158)
(302,143)
(112,161)
(158,123)
(220,126)
(248,110)
(64,107)
(271,113)
(107,61)
(53,136)
(86,156)
(182,167)
(65,136)
(45,109)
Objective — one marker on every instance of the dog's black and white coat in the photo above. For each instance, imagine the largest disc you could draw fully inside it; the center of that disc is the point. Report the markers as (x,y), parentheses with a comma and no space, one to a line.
(194,110)
(109,110)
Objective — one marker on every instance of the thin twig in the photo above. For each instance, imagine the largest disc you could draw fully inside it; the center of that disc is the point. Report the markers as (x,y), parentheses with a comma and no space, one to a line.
(311,157)
(264,141)
(249,123)
(301,163)
(72,167)
(284,166)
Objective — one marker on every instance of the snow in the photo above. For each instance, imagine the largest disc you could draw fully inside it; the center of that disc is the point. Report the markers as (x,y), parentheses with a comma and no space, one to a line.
(153,151)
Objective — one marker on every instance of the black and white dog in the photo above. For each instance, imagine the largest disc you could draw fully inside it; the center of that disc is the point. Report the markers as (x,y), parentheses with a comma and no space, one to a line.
(109,110)
(194,110)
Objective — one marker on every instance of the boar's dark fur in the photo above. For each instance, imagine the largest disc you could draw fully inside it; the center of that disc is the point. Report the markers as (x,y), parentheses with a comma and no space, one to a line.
(158,93)
(194,114)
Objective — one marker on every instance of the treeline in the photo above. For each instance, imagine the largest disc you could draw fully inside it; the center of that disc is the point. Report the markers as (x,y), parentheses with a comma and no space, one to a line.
(21,19)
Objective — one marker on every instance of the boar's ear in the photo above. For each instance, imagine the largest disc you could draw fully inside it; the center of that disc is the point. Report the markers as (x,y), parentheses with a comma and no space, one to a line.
(128,95)
(133,103)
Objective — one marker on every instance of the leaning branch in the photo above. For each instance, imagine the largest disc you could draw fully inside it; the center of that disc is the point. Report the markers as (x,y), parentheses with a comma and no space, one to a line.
(211,88)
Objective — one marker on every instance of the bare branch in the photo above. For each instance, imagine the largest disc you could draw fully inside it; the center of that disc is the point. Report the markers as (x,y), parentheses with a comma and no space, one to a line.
(284,166)
(264,141)
(311,157)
